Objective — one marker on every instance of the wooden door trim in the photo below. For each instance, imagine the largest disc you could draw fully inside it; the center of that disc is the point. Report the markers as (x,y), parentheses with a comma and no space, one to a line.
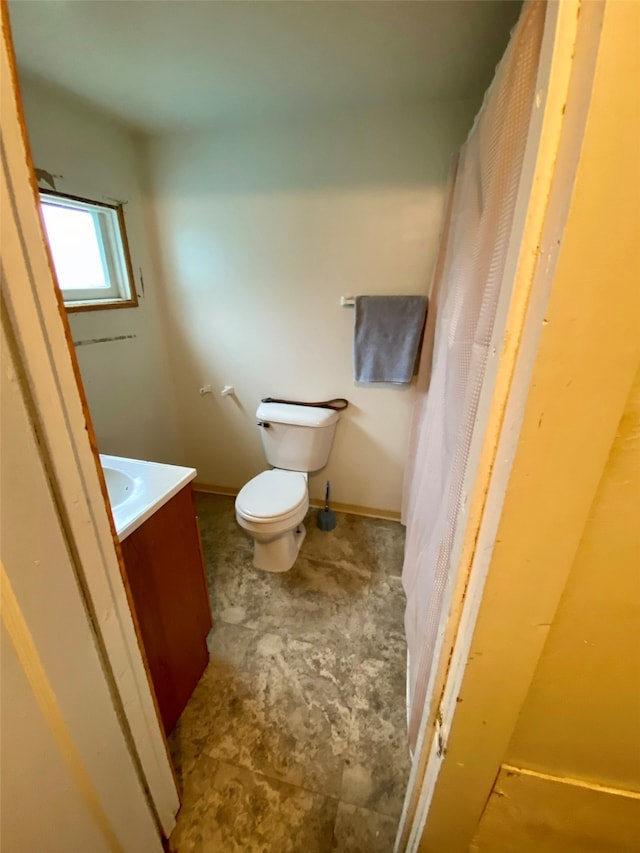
(36,315)
(501,383)
(577,344)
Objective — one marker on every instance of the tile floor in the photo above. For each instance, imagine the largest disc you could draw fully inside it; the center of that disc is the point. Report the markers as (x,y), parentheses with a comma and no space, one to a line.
(295,738)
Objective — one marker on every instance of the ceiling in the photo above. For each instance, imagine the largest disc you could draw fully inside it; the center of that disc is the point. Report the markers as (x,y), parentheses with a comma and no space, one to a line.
(168,64)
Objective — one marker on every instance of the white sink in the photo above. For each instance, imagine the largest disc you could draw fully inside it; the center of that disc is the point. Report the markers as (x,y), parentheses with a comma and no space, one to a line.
(137,489)
(119,485)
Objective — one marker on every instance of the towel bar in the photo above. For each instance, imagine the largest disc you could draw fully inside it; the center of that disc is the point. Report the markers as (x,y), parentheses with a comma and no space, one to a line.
(347,301)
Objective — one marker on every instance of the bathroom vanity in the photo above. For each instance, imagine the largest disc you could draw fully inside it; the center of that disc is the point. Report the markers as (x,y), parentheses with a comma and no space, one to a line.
(155,517)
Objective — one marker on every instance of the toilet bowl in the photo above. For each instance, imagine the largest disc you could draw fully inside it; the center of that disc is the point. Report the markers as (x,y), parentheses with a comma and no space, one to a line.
(271,508)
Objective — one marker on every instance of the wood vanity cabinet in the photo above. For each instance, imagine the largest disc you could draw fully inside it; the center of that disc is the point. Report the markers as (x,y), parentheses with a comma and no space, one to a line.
(163,561)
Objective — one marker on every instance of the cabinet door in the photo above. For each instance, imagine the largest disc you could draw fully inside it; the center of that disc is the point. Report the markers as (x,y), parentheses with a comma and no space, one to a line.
(165,572)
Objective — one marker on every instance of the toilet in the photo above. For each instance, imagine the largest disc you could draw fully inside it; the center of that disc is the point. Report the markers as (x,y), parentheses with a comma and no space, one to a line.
(272,506)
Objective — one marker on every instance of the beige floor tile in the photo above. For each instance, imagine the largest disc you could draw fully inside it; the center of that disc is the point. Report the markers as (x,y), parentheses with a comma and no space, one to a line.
(363,831)
(240,812)
(304,700)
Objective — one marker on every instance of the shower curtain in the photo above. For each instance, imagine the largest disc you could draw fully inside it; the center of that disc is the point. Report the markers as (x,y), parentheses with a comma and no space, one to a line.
(464,298)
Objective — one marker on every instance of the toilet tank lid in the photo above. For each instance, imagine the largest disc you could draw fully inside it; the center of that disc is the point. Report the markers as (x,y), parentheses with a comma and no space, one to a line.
(288,413)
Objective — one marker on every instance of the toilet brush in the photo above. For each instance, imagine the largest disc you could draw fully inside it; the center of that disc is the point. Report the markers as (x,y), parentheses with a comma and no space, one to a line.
(326,517)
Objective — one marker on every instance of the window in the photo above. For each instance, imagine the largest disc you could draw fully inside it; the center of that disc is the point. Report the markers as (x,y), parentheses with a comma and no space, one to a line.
(89,248)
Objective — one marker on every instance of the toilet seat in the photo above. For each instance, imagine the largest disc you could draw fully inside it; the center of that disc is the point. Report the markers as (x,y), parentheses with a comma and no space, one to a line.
(273,496)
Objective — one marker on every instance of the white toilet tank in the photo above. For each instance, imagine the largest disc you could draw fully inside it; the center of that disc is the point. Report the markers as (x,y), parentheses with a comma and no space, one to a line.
(296,438)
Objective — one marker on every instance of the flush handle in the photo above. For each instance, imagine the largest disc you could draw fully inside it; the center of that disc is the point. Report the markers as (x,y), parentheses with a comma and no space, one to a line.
(264,424)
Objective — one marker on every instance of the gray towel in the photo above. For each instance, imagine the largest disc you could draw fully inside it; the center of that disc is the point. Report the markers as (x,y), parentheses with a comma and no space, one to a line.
(387,335)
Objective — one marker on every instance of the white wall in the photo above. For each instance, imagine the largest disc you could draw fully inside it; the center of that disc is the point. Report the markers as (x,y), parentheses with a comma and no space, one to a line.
(40,803)
(258,232)
(69,781)
(126,381)
(261,230)
(570,780)
(589,671)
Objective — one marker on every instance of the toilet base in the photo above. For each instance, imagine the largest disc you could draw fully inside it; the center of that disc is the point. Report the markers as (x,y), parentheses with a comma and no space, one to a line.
(279,554)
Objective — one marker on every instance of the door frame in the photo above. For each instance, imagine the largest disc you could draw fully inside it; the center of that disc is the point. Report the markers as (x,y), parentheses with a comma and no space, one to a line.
(37,318)
(504,392)
(578,360)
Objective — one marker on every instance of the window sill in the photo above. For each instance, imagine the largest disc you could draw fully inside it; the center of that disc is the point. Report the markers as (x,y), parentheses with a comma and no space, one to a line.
(73,307)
